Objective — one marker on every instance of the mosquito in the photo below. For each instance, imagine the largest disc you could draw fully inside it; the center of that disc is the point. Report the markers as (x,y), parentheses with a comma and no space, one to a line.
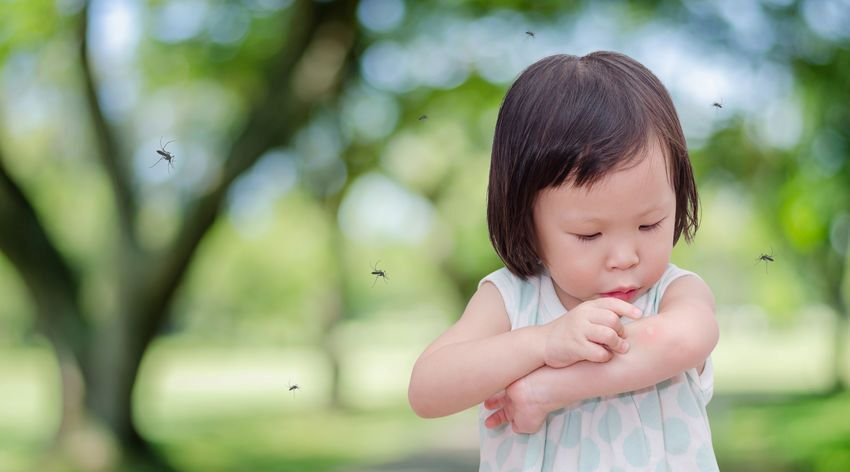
(718,105)
(379,273)
(293,387)
(423,117)
(167,155)
(530,34)
(766,258)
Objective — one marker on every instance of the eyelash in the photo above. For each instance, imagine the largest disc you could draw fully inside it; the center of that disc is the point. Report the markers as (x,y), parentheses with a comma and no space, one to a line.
(591,237)
(586,238)
(651,227)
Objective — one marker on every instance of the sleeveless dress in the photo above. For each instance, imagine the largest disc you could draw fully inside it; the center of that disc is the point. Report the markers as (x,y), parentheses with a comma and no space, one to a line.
(659,428)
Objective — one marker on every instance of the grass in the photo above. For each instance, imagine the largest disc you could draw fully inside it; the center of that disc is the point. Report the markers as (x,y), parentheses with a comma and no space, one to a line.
(801,434)
(313,441)
(808,433)
(214,411)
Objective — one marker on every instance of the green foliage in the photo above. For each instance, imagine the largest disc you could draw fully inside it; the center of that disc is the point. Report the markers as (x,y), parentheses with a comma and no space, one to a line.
(283,277)
(26,25)
(809,434)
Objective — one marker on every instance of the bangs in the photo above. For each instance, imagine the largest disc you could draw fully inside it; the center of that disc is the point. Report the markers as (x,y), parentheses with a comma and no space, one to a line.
(574,120)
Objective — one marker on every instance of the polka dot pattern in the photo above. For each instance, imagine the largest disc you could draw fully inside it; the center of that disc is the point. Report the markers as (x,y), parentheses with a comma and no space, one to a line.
(660,428)
(588,461)
(572,430)
(610,425)
(504,451)
(688,403)
(677,438)
(635,448)
(650,412)
(705,459)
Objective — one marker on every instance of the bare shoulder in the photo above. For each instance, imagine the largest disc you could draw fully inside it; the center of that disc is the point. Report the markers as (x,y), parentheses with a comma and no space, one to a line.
(485,316)
(688,292)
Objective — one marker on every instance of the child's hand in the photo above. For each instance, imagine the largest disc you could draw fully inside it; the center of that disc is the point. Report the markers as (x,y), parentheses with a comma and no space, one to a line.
(591,331)
(521,405)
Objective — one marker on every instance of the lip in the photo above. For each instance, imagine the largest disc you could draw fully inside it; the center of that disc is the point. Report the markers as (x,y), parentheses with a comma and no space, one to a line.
(625,294)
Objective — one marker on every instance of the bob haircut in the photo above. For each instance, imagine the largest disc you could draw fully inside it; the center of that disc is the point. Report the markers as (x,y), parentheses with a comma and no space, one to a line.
(573,120)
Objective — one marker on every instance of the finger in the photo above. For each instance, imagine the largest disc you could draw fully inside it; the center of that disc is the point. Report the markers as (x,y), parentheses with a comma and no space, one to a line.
(609,319)
(619,307)
(596,353)
(496,419)
(607,337)
(495,401)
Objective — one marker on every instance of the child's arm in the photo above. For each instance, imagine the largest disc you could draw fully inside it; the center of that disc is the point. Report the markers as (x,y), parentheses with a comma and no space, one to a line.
(480,355)
(681,337)
(477,356)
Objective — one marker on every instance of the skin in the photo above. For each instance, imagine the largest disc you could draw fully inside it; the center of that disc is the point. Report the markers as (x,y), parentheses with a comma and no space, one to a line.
(687,308)
(599,239)
(614,235)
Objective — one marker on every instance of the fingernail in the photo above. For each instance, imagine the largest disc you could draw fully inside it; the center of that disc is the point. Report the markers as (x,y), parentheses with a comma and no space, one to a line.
(625,345)
(636,311)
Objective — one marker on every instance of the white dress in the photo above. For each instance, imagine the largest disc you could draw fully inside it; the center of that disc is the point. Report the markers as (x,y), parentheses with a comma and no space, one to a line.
(659,428)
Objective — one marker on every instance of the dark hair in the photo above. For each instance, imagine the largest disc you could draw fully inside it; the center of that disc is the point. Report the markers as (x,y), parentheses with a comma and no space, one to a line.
(575,119)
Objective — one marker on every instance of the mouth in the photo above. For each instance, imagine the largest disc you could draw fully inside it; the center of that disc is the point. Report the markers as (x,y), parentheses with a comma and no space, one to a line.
(626,294)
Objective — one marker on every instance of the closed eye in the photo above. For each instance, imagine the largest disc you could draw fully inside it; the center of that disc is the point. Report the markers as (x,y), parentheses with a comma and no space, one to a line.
(652,226)
(588,237)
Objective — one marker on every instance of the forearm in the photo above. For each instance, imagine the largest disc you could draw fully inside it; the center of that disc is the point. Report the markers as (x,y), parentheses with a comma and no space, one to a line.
(661,347)
(458,376)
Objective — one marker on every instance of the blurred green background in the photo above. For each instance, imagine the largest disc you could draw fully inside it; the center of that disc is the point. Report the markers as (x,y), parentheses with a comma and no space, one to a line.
(157,318)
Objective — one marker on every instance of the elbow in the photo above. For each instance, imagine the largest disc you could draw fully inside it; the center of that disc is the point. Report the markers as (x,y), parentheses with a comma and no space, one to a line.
(415,401)
(417,398)
(418,406)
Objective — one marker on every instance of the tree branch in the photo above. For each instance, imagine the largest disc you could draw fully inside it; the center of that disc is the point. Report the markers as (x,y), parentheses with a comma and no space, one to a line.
(294,88)
(52,285)
(108,150)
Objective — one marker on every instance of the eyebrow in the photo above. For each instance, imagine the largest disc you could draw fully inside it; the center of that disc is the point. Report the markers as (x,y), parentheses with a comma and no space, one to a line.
(593,219)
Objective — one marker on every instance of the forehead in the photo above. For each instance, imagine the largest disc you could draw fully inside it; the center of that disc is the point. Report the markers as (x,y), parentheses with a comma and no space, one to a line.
(640,186)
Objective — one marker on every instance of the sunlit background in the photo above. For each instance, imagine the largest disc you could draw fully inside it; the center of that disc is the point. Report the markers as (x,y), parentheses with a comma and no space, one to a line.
(222,315)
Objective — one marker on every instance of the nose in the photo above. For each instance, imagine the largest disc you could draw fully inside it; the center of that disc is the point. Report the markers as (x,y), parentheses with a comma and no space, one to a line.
(622,256)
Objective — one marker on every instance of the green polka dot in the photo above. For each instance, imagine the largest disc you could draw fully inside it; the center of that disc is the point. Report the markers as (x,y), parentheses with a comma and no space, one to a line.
(626,398)
(617,469)
(677,438)
(650,411)
(522,438)
(705,459)
(636,449)
(484,467)
(588,461)
(687,402)
(534,449)
(665,384)
(572,430)
(504,451)
(662,466)
(610,425)
(549,454)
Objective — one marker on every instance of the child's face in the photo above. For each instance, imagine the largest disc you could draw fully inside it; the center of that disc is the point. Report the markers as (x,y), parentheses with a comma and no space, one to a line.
(605,241)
